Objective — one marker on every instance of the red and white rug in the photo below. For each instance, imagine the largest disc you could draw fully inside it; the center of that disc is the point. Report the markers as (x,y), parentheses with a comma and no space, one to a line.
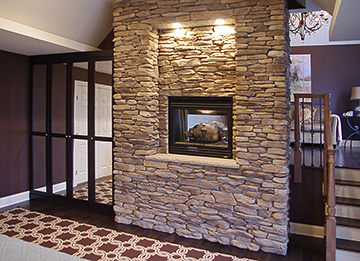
(94,243)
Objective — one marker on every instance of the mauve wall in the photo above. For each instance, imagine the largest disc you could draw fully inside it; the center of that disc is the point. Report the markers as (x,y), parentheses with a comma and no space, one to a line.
(334,69)
(14,86)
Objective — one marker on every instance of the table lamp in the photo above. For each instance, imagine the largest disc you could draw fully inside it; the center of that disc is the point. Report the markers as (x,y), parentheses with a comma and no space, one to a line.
(355,95)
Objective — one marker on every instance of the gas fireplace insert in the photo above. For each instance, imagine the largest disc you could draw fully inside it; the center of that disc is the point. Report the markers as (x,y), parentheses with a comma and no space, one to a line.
(200,126)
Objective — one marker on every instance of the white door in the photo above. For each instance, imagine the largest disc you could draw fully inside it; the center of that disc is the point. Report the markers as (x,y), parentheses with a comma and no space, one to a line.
(81,108)
(103,126)
(103,159)
(80,162)
(80,128)
(103,97)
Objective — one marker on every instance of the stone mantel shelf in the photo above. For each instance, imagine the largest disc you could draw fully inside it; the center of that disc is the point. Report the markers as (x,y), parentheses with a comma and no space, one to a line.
(197,160)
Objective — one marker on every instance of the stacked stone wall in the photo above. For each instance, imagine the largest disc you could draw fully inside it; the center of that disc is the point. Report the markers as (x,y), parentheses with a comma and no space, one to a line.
(241,201)
(200,62)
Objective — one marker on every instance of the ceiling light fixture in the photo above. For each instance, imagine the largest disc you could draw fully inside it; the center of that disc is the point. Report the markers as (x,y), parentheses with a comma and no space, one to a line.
(307,22)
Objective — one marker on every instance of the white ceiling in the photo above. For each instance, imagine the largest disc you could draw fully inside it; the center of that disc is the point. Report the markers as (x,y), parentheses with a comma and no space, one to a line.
(33,27)
(346,21)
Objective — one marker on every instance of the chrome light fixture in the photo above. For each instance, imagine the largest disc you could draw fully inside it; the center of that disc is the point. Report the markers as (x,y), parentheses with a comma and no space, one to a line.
(307,22)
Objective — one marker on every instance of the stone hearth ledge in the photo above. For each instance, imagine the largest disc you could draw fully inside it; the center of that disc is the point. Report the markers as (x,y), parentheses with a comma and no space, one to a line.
(194,160)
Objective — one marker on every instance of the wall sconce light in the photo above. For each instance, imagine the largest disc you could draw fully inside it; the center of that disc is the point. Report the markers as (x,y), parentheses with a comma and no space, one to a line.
(222,29)
(176,26)
(179,32)
(219,22)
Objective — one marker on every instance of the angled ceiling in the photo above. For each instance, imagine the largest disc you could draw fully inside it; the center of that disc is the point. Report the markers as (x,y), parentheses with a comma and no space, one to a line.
(55,26)
(33,27)
(345,17)
(346,21)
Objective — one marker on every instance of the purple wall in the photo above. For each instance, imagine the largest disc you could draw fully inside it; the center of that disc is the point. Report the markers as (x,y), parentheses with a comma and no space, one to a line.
(334,69)
(14,131)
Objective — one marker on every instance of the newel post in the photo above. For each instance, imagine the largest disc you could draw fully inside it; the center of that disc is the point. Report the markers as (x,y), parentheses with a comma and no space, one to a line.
(330,208)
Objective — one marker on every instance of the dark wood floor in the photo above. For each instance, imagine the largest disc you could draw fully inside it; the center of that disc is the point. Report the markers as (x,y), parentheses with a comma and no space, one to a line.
(346,157)
(299,247)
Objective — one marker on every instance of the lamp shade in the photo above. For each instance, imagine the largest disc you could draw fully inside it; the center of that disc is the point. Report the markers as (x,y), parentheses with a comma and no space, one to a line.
(355,93)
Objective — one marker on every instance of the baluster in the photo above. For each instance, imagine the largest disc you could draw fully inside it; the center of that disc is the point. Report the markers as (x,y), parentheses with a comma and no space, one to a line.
(322,125)
(298,151)
(312,132)
(303,132)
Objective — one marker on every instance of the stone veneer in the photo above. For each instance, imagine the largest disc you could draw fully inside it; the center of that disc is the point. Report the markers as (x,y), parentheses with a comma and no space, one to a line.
(241,201)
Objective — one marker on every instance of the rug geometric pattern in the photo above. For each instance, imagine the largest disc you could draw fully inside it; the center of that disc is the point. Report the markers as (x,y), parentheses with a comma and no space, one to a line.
(94,243)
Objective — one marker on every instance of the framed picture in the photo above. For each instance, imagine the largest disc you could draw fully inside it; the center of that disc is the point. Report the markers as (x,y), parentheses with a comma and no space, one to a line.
(300,74)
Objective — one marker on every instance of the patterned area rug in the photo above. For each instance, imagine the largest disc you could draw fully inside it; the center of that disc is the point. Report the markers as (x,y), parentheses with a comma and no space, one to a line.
(93,243)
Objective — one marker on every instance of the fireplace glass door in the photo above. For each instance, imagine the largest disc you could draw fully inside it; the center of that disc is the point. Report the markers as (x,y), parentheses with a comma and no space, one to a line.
(200,126)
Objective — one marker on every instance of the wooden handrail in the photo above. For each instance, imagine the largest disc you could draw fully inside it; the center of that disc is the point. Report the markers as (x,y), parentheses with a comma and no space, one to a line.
(328,164)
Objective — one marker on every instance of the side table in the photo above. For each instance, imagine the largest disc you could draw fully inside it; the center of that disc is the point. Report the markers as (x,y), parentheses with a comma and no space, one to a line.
(355,128)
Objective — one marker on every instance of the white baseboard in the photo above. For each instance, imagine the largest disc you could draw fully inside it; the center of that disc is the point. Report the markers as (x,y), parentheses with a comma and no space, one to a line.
(345,191)
(14,199)
(347,174)
(24,196)
(343,255)
(348,233)
(347,211)
(56,187)
(355,143)
(306,230)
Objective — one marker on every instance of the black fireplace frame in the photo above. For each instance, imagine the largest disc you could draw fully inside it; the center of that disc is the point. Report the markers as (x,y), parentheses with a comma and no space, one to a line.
(224,104)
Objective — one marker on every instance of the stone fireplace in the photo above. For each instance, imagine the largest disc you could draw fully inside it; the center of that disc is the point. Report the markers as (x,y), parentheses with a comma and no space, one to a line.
(242,201)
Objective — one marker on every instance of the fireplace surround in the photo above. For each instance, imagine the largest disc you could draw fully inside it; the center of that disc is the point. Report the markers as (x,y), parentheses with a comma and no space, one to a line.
(242,201)
(200,126)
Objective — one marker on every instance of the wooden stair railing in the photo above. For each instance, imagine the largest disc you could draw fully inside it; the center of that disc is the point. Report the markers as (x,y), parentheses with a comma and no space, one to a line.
(328,163)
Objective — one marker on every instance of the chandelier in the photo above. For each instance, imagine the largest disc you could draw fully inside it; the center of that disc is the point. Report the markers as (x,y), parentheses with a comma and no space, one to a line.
(307,22)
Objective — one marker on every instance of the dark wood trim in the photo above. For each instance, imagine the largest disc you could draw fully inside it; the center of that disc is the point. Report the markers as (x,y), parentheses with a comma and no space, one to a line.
(108,139)
(72,57)
(348,245)
(112,135)
(72,203)
(48,135)
(91,131)
(348,222)
(30,115)
(69,130)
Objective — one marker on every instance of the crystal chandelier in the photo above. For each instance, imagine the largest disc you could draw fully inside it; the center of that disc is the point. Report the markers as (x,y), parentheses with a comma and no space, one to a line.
(307,22)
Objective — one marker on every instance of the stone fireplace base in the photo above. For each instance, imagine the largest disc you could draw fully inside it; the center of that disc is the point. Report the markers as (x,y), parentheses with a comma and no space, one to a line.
(204,198)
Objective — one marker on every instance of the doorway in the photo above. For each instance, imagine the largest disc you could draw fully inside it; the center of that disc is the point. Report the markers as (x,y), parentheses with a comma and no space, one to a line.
(71,123)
